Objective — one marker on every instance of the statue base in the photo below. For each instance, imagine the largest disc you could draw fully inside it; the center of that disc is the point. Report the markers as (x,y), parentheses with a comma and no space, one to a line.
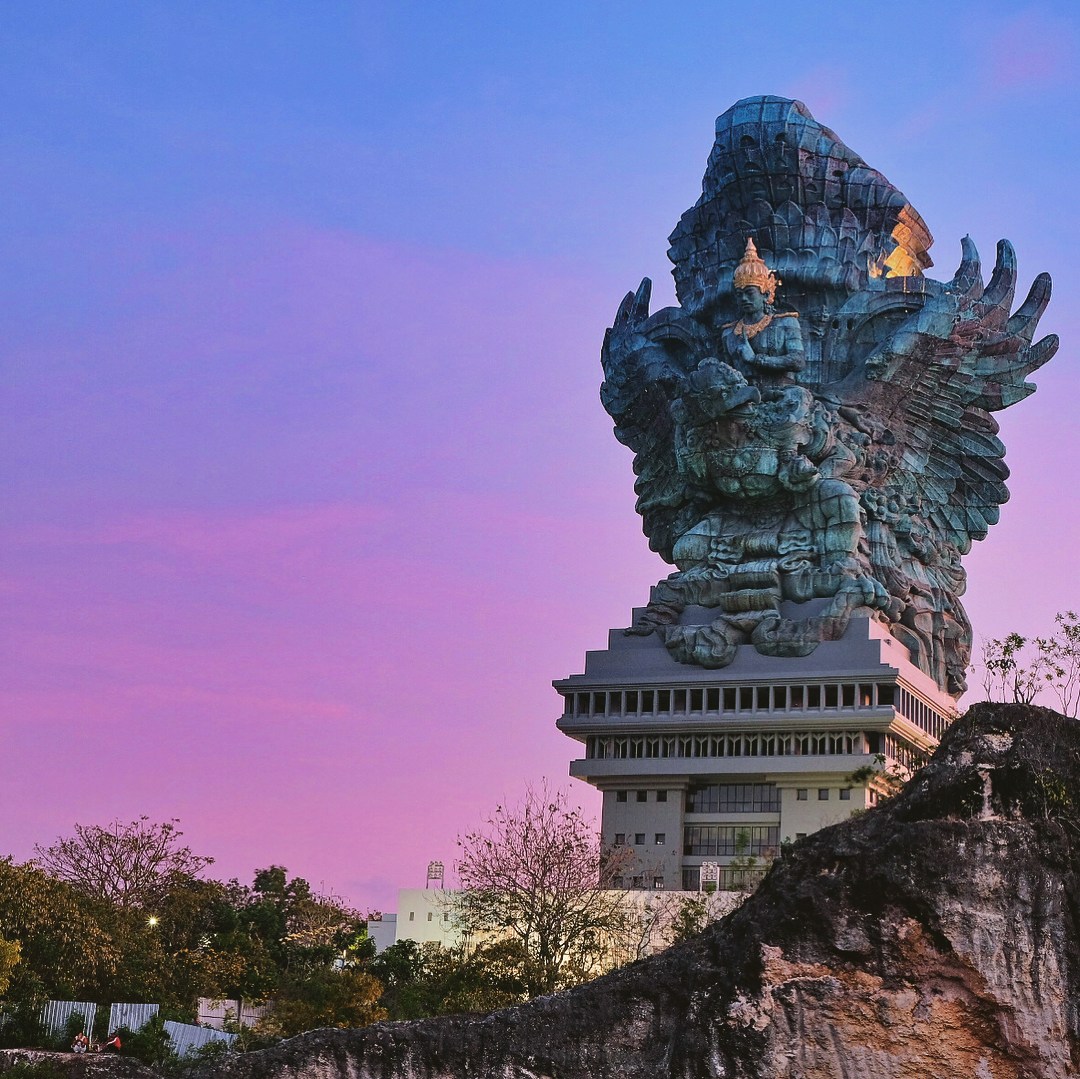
(715,768)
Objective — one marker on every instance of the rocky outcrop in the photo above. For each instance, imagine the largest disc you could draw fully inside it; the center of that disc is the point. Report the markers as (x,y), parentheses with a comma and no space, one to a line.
(936,936)
(44,1063)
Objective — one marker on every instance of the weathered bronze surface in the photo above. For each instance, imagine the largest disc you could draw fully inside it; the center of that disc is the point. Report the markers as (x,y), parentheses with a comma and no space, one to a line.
(811,426)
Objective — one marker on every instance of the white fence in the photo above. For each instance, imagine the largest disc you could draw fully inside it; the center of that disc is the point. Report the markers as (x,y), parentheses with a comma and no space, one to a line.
(132,1016)
(56,1013)
(186,1037)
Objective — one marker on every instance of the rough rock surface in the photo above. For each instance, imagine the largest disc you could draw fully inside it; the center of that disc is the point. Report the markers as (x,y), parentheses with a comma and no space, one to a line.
(78,1065)
(936,936)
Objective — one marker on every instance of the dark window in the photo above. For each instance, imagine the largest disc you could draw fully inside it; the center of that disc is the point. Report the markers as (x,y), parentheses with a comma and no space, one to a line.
(642,796)
(639,839)
(823,794)
(620,839)
(802,794)
(845,794)
(885,693)
(661,796)
(661,838)
(658,883)
(663,700)
(733,798)
(620,796)
(729,840)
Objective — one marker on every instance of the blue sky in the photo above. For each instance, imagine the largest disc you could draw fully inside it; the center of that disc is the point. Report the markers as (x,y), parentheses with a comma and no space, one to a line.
(307,494)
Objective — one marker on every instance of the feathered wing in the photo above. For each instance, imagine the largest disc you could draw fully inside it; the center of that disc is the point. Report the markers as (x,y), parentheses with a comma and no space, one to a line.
(644,358)
(927,393)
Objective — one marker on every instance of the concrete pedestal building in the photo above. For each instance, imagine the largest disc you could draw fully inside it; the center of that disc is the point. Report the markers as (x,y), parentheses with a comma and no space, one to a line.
(721,766)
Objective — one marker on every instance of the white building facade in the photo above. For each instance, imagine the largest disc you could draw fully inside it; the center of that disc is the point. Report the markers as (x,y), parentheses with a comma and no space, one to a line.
(721,766)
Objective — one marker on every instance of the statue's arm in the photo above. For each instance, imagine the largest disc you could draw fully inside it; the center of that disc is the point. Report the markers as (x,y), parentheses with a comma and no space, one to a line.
(790,356)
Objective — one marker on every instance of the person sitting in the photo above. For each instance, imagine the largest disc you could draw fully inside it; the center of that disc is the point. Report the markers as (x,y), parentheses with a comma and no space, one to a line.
(81,1043)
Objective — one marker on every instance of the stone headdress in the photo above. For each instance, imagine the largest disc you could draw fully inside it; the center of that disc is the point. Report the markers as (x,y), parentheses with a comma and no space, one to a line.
(753,271)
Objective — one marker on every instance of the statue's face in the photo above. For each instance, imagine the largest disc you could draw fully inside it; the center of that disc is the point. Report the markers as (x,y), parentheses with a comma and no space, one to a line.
(751,302)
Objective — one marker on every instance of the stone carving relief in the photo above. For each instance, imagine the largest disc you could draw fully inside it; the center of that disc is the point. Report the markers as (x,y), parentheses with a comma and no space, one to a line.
(812,424)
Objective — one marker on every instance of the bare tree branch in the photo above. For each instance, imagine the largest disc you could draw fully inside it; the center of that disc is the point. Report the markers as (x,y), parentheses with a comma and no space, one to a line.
(131,865)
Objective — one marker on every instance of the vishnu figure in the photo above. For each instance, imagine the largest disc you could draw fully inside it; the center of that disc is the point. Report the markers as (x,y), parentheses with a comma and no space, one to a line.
(766,345)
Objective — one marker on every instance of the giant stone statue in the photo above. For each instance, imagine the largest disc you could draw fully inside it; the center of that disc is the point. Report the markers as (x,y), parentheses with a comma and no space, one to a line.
(812,425)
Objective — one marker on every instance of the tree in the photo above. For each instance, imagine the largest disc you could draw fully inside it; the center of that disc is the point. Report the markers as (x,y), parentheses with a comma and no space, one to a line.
(130,865)
(1019,669)
(421,980)
(536,873)
(9,958)
(66,948)
(346,997)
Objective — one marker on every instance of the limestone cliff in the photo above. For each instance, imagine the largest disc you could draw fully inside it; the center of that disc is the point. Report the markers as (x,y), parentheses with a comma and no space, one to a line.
(936,936)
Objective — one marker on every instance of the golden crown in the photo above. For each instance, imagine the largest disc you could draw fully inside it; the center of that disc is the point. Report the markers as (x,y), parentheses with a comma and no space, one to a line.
(753,271)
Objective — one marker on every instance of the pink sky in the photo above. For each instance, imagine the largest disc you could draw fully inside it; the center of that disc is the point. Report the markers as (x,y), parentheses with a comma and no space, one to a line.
(307,491)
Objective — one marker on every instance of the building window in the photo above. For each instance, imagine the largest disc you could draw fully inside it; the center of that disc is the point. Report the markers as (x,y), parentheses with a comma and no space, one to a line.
(661,838)
(642,796)
(412,915)
(845,794)
(802,794)
(620,796)
(620,839)
(661,796)
(639,839)
(658,883)
(429,916)
(729,840)
(733,798)
(823,794)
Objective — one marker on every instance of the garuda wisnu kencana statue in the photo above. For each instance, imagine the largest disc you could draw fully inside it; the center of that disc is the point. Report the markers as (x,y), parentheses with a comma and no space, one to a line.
(812,425)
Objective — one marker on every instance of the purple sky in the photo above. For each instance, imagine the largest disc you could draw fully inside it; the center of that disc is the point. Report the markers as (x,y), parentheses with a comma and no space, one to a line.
(307,494)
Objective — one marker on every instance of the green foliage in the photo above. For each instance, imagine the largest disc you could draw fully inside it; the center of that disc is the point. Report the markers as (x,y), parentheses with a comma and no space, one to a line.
(275,939)
(887,779)
(429,979)
(23,1029)
(691,917)
(150,1044)
(10,950)
(36,1069)
(346,997)
(66,938)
